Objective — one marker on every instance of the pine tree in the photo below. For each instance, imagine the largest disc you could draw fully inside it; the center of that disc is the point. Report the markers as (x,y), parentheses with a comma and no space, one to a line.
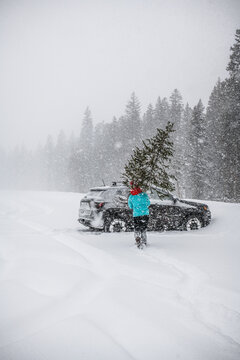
(223,133)
(84,153)
(99,152)
(132,122)
(148,128)
(114,150)
(231,115)
(61,162)
(234,63)
(86,136)
(214,147)
(185,152)
(149,165)
(38,168)
(176,112)
(161,113)
(197,143)
(73,144)
(49,164)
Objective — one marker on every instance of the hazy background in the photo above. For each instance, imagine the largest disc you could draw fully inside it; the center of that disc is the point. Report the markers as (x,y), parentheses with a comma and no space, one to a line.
(58,57)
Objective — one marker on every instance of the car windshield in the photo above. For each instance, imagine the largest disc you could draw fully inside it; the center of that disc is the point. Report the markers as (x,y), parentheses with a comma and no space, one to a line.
(122,192)
(109,194)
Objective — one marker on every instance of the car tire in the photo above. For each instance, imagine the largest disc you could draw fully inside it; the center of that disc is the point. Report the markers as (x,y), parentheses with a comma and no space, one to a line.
(116,225)
(192,223)
(163,228)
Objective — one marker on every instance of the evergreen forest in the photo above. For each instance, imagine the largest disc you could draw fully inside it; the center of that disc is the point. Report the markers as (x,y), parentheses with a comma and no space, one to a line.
(206,159)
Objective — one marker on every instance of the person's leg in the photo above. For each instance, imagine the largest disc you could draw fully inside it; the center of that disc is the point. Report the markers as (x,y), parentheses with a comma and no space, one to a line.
(144,236)
(137,229)
(144,223)
(137,236)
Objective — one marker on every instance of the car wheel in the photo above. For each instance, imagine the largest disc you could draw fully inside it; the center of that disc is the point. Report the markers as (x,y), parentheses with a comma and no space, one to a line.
(117,225)
(193,223)
(163,228)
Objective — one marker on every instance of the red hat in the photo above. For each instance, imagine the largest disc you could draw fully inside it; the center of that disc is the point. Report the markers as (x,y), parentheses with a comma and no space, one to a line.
(136,191)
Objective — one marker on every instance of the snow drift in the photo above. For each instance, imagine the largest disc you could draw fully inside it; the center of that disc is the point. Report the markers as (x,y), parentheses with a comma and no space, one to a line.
(66,292)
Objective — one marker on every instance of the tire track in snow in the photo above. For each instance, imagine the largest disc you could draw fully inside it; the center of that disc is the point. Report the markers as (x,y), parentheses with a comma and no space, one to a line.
(192,281)
(191,290)
(100,263)
(192,284)
(95,260)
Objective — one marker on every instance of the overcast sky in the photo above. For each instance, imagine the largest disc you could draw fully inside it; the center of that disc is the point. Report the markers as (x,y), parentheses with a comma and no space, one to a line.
(58,57)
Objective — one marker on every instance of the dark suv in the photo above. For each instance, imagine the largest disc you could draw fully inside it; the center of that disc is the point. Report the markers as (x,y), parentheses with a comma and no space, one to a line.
(106,208)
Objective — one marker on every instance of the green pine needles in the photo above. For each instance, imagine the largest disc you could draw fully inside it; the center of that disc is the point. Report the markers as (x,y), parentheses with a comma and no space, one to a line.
(149,165)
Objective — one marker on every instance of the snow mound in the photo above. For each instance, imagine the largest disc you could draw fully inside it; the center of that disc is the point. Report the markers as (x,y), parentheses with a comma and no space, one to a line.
(67,292)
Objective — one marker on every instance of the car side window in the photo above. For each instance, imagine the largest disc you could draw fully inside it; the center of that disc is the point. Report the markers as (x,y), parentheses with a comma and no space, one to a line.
(113,195)
(121,197)
(125,192)
(109,194)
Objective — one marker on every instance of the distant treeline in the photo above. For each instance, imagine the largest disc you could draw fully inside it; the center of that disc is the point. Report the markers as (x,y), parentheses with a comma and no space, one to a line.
(206,160)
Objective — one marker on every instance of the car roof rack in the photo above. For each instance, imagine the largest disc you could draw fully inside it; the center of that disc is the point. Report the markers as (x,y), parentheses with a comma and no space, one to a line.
(117,183)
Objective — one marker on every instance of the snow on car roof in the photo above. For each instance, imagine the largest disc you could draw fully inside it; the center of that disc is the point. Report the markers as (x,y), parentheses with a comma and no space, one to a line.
(170,202)
(103,188)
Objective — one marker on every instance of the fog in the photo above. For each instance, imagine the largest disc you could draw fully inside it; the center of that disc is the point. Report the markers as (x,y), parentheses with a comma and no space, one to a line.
(58,57)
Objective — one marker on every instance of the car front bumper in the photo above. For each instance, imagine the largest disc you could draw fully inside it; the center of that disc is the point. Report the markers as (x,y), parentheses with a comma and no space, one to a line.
(207,218)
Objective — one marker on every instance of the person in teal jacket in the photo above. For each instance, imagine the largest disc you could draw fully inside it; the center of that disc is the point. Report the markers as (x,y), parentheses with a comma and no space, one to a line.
(139,202)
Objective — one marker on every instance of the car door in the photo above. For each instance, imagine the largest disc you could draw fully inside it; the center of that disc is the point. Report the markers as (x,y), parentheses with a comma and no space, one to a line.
(158,214)
(173,215)
(164,214)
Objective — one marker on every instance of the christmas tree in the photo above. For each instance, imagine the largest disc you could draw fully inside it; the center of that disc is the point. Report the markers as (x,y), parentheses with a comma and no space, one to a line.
(148,166)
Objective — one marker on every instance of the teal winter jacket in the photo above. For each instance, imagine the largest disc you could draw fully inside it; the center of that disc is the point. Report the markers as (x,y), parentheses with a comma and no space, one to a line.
(139,203)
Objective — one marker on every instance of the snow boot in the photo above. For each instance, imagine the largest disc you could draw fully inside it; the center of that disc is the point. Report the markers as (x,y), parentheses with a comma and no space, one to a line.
(138,242)
(144,237)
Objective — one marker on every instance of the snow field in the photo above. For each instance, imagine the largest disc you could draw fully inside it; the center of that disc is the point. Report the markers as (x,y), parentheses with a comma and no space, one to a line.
(66,292)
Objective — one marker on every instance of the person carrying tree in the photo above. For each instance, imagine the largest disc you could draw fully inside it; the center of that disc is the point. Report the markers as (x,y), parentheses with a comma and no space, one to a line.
(139,202)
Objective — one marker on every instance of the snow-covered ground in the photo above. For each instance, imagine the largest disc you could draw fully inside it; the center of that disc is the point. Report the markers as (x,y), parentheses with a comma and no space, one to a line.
(67,293)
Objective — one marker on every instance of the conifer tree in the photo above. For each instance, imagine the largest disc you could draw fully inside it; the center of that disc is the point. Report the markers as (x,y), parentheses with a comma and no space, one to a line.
(197,142)
(86,136)
(85,166)
(213,149)
(148,128)
(80,160)
(99,152)
(73,144)
(132,121)
(185,152)
(231,115)
(114,150)
(176,112)
(61,159)
(223,133)
(234,63)
(161,113)
(149,165)
(49,163)
(38,168)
